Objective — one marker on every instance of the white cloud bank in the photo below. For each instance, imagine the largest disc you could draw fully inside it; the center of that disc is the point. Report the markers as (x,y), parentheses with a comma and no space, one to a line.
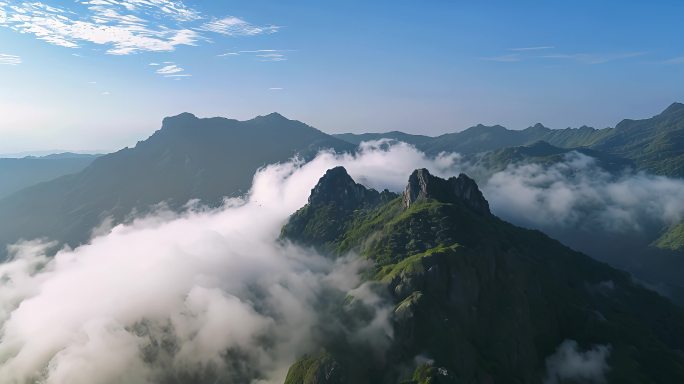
(212,293)
(579,193)
(124,26)
(207,292)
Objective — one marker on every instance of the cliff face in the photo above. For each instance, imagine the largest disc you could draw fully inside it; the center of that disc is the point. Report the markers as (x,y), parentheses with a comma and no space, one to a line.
(338,188)
(422,185)
(333,203)
(477,300)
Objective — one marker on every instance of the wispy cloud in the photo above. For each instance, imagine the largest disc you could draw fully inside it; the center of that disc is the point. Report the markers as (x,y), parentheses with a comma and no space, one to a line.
(537,48)
(172,71)
(535,52)
(105,93)
(675,60)
(169,70)
(504,58)
(275,89)
(262,54)
(594,58)
(6,59)
(271,57)
(233,26)
(124,26)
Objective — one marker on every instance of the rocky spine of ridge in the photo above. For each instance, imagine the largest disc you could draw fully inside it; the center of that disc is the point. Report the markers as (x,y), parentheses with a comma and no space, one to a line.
(461,189)
(338,188)
(454,276)
(333,202)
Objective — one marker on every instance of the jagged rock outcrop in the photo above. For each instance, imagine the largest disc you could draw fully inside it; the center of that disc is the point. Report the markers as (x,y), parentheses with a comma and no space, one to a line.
(333,202)
(461,189)
(338,188)
(480,299)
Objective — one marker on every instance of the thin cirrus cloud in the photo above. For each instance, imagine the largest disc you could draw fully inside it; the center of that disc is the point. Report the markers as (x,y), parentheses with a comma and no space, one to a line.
(172,70)
(535,48)
(261,54)
(123,26)
(517,54)
(233,26)
(535,52)
(504,58)
(6,59)
(594,58)
(675,60)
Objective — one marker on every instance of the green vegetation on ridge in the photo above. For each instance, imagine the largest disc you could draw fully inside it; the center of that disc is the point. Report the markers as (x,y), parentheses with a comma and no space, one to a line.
(486,301)
(673,239)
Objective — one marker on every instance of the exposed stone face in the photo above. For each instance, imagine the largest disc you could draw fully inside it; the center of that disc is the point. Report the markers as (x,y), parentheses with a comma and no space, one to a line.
(463,189)
(337,187)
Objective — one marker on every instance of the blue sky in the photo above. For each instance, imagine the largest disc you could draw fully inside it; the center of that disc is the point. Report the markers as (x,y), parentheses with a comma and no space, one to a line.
(81,74)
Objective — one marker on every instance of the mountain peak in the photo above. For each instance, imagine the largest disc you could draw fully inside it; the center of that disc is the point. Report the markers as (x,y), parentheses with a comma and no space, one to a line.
(423,185)
(273,116)
(182,116)
(496,127)
(337,187)
(182,119)
(673,108)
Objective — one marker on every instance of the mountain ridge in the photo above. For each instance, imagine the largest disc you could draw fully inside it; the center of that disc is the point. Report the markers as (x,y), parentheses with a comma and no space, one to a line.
(499,297)
(654,144)
(187,158)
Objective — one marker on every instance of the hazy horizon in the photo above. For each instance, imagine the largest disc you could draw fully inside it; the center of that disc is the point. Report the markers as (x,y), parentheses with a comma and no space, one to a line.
(352,67)
(48,151)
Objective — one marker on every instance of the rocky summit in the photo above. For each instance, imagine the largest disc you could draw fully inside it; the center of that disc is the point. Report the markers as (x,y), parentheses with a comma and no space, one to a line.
(463,189)
(472,298)
(337,187)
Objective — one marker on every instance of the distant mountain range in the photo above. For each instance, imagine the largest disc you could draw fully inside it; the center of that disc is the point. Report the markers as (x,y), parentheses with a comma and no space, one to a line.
(188,158)
(19,173)
(212,158)
(462,281)
(655,144)
(476,299)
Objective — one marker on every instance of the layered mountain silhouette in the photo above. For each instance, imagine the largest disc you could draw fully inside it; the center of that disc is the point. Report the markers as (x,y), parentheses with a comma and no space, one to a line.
(476,299)
(655,144)
(19,173)
(209,159)
(188,158)
(543,153)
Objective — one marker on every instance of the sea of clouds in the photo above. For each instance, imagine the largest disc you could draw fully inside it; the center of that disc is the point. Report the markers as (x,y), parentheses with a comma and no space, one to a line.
(213,295)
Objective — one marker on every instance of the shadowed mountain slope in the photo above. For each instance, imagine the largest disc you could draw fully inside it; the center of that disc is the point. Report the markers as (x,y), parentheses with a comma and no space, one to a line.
(19,173)
(188,158)
(476,299)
